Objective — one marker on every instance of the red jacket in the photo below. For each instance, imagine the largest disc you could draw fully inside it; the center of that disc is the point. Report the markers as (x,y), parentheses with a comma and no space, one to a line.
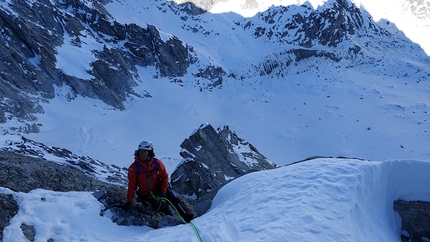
(148,178)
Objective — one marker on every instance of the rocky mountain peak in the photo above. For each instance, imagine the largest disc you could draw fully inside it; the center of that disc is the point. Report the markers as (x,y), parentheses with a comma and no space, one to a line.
(212,158)
(306,27)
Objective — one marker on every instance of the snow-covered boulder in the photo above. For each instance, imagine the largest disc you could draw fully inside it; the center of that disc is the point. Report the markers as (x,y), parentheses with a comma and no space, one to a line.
(415,219)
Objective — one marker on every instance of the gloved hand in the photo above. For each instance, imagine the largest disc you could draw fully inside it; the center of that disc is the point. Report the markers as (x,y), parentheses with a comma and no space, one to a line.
(126,206)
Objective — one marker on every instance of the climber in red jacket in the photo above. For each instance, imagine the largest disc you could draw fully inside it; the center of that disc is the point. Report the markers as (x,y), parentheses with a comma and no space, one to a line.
(148,175)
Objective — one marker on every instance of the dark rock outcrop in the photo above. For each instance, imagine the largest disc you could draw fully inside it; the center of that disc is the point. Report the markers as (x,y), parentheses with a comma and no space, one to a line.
(212,158)
(415,220)
(86,164)
(29,47)
(22,173)
(9,208)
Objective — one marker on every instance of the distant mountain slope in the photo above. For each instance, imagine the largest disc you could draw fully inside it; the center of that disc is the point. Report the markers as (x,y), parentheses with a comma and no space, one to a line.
(39,38)
(306,72)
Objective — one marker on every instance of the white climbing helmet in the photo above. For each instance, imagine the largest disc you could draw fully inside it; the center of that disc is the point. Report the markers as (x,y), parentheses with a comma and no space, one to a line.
(145,145)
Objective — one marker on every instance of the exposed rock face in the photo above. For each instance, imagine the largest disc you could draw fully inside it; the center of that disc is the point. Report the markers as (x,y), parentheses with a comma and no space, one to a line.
(415,219)
(212,158)
(9,208)
(86,164)
(28,49)
(22,173)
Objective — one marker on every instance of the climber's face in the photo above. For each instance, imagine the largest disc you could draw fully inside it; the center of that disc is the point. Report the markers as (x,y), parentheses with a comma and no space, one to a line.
(143,155)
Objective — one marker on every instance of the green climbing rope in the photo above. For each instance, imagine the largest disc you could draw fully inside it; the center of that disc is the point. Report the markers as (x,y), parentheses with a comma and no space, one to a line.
(177,212)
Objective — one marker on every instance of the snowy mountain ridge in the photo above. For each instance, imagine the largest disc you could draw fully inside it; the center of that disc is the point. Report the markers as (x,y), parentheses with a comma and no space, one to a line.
(350,87)
(410,16)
